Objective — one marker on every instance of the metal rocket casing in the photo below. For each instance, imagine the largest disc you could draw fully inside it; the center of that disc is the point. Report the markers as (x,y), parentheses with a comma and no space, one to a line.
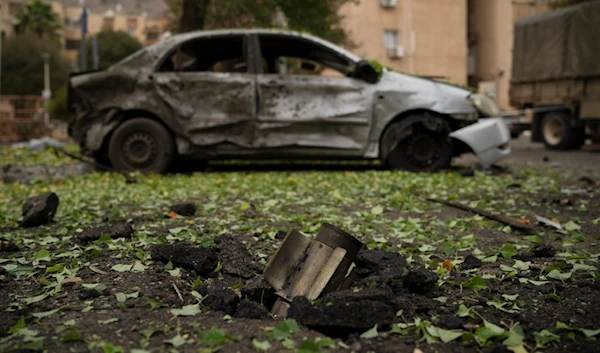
(311,267)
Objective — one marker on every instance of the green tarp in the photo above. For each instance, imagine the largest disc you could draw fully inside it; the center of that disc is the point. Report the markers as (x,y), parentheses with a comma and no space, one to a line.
(558,45)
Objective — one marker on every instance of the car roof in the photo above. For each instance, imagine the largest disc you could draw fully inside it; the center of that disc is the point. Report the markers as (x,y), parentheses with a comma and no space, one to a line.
(180,38)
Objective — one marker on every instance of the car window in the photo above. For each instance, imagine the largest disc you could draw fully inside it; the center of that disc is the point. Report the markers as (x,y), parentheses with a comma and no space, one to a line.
(215,54)
(298,56)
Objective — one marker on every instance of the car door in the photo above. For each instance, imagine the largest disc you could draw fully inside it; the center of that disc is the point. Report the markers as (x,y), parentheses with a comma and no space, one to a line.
(306,103)
(209,89)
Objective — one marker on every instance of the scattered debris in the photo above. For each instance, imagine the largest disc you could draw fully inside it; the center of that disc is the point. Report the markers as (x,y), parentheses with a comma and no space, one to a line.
(345,311)
(235,258)
(184,209)
(471,262)
(548,222)
(543,250)
(8,246)
(39,210)
(573,191)
(311,267)
(587,180)
(251,310)
(251,212)
(39,144)
(467,173)
(420,281)
(11,173)
(377,260)
(117,230)
(219,298)
(280,235)
(259,291)
(516,223)
(202,260)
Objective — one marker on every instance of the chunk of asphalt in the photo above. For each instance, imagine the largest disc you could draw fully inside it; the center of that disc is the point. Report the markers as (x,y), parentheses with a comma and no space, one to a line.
(376,261)
(235,258)
(259,291)
(117,230)
(543,250)
(471,262)
(202,260)
(219,298)
(420,281)
(251,310)
(345,311)
(184,209)
(39,210)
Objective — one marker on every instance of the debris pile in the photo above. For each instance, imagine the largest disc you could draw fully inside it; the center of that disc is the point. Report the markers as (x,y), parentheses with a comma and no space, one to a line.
(39,210)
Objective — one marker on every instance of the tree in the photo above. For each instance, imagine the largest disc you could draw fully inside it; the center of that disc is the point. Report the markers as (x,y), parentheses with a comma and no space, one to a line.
(23,65)
(319,17)
(113,46)
(38,17)
(555,4)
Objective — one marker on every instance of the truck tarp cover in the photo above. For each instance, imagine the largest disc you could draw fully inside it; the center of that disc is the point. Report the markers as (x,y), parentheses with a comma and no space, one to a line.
(561,44)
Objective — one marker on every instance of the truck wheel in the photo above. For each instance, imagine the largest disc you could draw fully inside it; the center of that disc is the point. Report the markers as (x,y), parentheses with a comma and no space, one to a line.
(558,134)
(141,144)
(417,144)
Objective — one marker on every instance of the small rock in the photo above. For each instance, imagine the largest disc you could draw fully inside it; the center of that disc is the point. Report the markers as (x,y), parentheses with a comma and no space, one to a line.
(420,281)
(468,173)
(543,250)
(470,263)
(344,310)
(259,291)
(219,298)
(235,257)
(546,159)
(251,212)
(184,209)
(524,256)
(378,260)
(89,294)
(280,235)
(251,310)
(8,246)
(117,230)
(202,260)
(587,180)
(451,323)
(39,210)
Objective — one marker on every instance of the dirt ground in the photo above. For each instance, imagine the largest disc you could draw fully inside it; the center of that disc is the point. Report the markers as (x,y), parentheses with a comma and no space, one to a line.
(117,271)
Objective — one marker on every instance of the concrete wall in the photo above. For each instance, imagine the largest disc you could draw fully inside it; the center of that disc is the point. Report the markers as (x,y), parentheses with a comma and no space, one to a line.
(433,34)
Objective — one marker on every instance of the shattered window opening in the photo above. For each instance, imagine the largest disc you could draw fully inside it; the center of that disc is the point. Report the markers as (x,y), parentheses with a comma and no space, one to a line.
(215,54)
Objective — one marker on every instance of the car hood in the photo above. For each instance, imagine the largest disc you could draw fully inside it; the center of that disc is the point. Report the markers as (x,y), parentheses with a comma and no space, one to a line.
(420,93)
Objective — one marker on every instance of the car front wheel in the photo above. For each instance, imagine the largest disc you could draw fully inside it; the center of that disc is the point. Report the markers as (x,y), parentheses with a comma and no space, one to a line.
(417,144)
(143,145)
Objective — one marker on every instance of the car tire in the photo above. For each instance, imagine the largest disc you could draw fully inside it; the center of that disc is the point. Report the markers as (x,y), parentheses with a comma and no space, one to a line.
(558,134)
(141,144)
(417,144)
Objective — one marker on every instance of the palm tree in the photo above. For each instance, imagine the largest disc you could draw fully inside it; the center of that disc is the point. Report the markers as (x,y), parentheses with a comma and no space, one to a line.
(38,17)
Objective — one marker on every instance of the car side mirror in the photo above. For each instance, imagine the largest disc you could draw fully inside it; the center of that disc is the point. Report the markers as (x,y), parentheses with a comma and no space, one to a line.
(366,72)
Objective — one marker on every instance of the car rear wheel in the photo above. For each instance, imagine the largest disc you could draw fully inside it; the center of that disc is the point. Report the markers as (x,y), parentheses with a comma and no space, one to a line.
(141,144)
(418,144)
(558,134)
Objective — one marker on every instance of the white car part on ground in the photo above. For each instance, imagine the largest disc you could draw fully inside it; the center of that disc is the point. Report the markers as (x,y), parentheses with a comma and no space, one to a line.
(488,138)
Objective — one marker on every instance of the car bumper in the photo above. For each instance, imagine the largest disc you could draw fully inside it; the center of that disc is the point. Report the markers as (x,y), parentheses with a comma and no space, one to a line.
(488,139)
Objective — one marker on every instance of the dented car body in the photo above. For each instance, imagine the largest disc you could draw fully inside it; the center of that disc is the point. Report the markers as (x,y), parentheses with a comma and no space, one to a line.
(270,94)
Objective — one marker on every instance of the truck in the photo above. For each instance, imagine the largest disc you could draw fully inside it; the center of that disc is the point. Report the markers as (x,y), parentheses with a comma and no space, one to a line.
(556,76)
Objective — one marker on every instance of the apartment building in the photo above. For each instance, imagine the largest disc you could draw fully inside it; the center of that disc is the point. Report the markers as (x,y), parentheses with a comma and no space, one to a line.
(420,37)
(490,43)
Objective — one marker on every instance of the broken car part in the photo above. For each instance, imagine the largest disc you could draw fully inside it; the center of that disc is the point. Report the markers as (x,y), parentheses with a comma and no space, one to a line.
(311,267)
(513,222)
(249,93)
(548,222)
(487,138)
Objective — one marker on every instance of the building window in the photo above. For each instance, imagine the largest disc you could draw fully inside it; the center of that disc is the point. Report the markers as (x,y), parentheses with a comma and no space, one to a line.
(72,44)
(152,35)
(108,23)
(14,7)
(132,24)
(73,22)
(391,38)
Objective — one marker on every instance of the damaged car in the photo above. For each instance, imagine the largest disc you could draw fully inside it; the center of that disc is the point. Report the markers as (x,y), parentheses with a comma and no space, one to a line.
(228,94)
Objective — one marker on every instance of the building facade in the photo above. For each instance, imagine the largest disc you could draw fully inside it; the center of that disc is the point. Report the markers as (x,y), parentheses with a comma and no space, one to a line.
(420,37)
(490,38)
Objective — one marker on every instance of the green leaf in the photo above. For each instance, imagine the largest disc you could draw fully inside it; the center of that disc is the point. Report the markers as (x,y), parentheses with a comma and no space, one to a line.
(556,274)
(139,267)
(45,313)
(188,310)
(377,210)
(570,225)
(544,337)
(176,341)
(463,311)
(371,333)
(215,337)
(37,298)
(263,346)
(108,321)
(121,268)
(284,329)
(533,239)
(72,335)
(510,298)
(309,347)
(475,283)
(121,298)
(55,268)
(590,333)
(444,335)
(555,297)
(19,325)
(42,255)
(244,206)
(508,251)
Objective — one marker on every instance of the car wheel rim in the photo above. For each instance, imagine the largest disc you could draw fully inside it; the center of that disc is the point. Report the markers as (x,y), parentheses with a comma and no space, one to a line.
(422,150)
(139,150)
(554,129)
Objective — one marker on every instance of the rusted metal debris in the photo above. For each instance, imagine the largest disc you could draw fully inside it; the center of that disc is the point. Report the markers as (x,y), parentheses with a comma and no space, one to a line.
(513,222)
(311,267)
